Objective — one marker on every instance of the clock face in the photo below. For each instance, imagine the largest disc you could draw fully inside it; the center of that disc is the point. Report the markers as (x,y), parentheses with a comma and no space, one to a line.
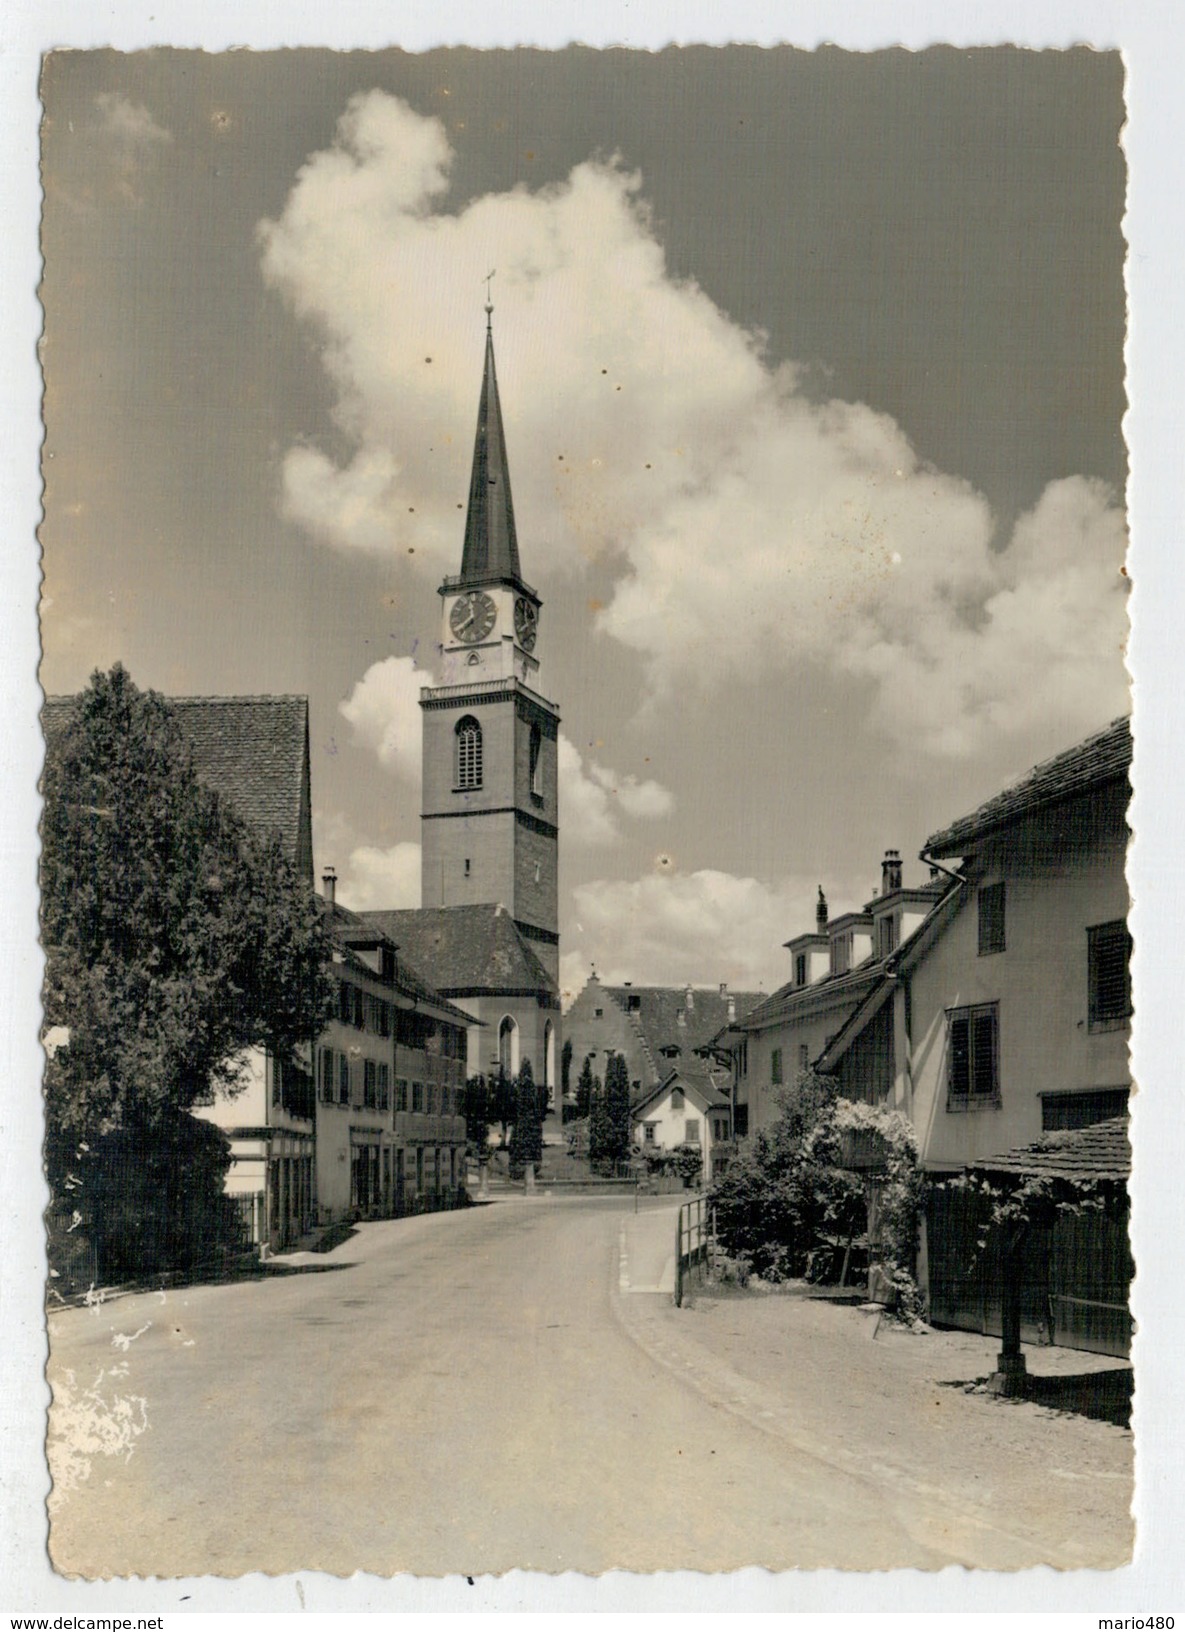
(472,617)
(526,624)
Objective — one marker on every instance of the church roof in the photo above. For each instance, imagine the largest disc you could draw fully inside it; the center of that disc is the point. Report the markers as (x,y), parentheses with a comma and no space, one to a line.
(465,951)
(252,751)
(491,544)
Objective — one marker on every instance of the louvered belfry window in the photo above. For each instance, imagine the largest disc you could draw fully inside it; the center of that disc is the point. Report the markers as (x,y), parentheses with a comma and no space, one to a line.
(1109,950)
(468,753)
(973,1050)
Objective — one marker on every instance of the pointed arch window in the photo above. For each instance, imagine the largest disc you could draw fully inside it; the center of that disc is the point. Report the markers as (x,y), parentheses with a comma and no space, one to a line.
(468,753)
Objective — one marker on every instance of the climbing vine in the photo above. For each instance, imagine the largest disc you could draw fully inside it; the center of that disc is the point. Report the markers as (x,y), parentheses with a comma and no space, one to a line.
(901,1197)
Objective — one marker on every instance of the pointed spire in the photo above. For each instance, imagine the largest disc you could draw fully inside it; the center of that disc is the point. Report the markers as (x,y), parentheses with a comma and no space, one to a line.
(491,544)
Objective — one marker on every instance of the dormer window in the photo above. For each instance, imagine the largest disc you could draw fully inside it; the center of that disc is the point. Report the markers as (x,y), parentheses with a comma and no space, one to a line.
(469,758)
(841,954)
(886,934)
(800,969)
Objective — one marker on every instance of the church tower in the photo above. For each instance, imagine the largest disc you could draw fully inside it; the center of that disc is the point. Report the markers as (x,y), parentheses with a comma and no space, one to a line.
(490,818)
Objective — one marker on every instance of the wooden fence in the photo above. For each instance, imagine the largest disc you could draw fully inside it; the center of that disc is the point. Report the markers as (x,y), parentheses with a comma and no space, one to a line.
(695,1243)
(1075,1275)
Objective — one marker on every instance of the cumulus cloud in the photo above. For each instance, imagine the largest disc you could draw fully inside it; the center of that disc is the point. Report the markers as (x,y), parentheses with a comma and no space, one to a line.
(701,927)
(649,430)
(384,712)
(376,878)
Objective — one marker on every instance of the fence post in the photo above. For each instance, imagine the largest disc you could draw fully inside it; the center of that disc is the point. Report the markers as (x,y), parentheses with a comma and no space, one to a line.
(679,1258)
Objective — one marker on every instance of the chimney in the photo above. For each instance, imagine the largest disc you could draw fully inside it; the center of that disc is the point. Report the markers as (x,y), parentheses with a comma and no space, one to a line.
(329,885)
(689,998)
(732,1010)
(891,872)
(821,913)
(723,988)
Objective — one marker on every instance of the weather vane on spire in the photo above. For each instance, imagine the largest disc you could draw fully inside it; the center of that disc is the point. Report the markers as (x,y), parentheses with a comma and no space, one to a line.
(489,303)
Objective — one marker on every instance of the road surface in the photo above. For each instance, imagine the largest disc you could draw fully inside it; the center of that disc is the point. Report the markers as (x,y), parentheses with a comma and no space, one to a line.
(461,1393)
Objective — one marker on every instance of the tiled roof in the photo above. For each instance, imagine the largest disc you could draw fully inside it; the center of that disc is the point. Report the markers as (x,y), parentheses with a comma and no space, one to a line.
(850,986)
(708,1087)
(1102,1151)
(352,931)
(251,751)
(656,1017)
(1105,757)
(465,949)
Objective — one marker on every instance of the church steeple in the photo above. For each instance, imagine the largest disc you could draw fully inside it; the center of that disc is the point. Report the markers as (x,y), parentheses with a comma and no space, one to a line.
(491,544)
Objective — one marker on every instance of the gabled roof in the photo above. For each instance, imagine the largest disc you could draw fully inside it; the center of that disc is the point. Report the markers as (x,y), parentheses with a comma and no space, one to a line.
(252,751)
(913,947)
(1101,1152)
(1105,757)
(696,1078)
(656,1014)
(789,1000)
(354,935)
(465,951)
(491,544)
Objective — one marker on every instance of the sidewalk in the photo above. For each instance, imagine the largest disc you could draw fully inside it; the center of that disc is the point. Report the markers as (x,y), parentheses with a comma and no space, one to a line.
(648,1249)
(838,1384)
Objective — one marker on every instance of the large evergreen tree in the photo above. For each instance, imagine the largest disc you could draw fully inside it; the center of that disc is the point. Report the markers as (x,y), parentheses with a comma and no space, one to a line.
(584,1089)
(617,1107)
(609,1124)
(526,1139)
(175,939)
(477,1114)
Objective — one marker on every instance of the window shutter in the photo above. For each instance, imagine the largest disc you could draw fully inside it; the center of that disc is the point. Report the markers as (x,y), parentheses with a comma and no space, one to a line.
(983,1053)
(1110,990)
(960,1056)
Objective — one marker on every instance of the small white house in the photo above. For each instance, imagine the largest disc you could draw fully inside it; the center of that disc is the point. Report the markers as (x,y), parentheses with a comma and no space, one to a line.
(688,1107)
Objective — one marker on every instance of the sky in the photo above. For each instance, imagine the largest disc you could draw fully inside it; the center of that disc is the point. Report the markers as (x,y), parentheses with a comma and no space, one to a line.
(811,367)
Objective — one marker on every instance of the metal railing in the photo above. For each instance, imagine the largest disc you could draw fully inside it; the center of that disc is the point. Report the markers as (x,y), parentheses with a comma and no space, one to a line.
(695,1243)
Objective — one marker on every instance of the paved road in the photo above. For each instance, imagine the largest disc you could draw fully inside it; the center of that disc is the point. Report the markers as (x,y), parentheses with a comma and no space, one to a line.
(450,1394)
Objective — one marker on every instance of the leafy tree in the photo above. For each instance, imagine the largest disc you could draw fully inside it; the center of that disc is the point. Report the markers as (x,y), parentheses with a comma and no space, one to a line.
(584,1088)
(175,939)
(526,1139)
(786,1194)
(566,1068)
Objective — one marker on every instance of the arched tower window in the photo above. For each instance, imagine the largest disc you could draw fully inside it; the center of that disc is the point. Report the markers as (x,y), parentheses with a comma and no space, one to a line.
(536,761)
(508,1046)
(468,753)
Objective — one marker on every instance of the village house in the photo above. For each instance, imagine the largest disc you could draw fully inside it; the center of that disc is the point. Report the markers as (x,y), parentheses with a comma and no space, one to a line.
(640,1022)
(688,1109)
(834,968)
(390,1081)
(1006,1015)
